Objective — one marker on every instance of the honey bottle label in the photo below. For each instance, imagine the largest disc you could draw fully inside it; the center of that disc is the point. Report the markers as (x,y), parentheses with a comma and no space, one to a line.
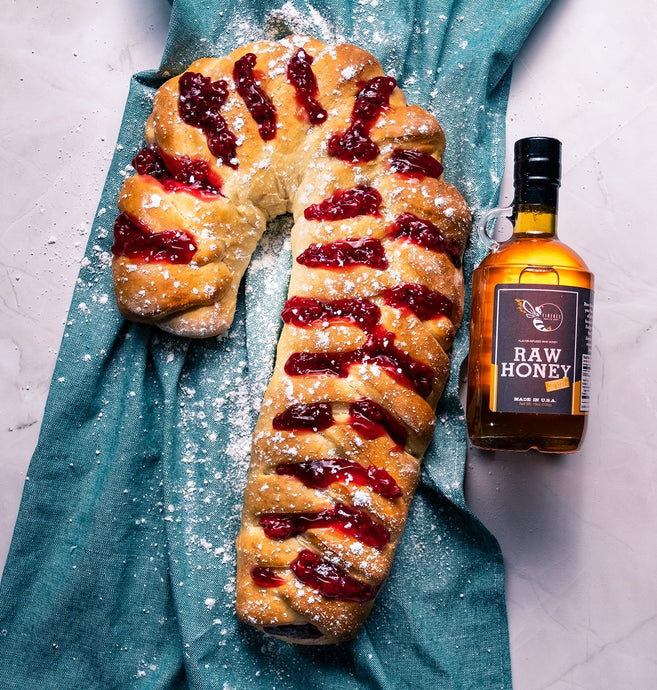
(541,349)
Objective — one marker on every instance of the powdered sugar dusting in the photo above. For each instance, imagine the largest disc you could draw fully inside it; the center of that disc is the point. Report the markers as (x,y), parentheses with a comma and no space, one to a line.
(208,394)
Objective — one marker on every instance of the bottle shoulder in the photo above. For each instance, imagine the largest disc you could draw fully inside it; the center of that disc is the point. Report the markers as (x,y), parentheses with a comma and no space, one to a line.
(538,251)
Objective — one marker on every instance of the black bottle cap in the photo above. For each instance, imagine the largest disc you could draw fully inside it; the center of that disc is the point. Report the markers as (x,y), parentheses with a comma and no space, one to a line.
(537,170)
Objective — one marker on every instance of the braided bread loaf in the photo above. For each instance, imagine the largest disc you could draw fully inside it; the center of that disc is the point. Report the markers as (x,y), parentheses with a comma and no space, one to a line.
(376,294)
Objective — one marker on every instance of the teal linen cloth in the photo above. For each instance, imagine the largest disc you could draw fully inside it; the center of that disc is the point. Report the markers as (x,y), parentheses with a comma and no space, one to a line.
(121,572)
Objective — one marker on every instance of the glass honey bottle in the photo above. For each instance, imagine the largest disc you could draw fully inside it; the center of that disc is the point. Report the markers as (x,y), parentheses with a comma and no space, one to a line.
(531,320)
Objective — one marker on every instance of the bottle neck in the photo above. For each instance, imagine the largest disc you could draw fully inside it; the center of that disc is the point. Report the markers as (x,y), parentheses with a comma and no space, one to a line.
(535,208)
(534,220)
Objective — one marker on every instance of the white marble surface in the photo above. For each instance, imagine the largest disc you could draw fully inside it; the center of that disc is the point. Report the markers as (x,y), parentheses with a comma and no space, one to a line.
(577,532)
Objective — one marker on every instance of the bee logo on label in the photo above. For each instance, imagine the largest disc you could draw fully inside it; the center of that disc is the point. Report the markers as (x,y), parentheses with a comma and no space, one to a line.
(545,318)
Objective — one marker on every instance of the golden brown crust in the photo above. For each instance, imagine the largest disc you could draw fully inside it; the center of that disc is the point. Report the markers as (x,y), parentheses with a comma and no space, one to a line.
(288,174)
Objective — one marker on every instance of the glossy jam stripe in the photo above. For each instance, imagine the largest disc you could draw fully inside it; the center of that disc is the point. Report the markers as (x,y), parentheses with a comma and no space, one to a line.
(266,577)
(134,240)
(178,174)
(409,227)
(351,521)
(371,421)
(197,174)
(415,164)
(341,254)
(199,101)
(346,203)
(149,162)
(302,77)
(329,580)
(307,311)
(379,350)
(354,145)
(300,417)
(424,303)
(256,100)
(366,417)
(320,474)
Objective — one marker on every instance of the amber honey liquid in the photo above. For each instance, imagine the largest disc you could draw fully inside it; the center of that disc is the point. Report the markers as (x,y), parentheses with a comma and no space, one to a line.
(535,258)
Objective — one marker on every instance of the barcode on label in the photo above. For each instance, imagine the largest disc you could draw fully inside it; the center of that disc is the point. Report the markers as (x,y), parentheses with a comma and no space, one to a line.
(585,389)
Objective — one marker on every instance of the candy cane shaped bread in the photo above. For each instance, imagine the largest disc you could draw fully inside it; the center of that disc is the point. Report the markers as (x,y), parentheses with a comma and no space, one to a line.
(375,297)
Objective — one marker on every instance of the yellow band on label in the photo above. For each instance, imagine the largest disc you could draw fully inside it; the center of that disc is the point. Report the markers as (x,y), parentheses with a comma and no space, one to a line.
(557,384)
(492,402)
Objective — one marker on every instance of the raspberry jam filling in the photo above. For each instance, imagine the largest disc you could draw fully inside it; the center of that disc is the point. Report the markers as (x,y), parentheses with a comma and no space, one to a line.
(346,203)
(364,251)
(305,631)
(350,521)
(199,101)
(266,577)
(302,77)
(328,579)
(306,311)
(371,421)
(134,240)
(256,100)
(320,474)
(367,417)
(425,234)
(415,164)
(378,350)
(149,162)
(310,417)
(197,174)
(178,174)
(354,144)
(424,303)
